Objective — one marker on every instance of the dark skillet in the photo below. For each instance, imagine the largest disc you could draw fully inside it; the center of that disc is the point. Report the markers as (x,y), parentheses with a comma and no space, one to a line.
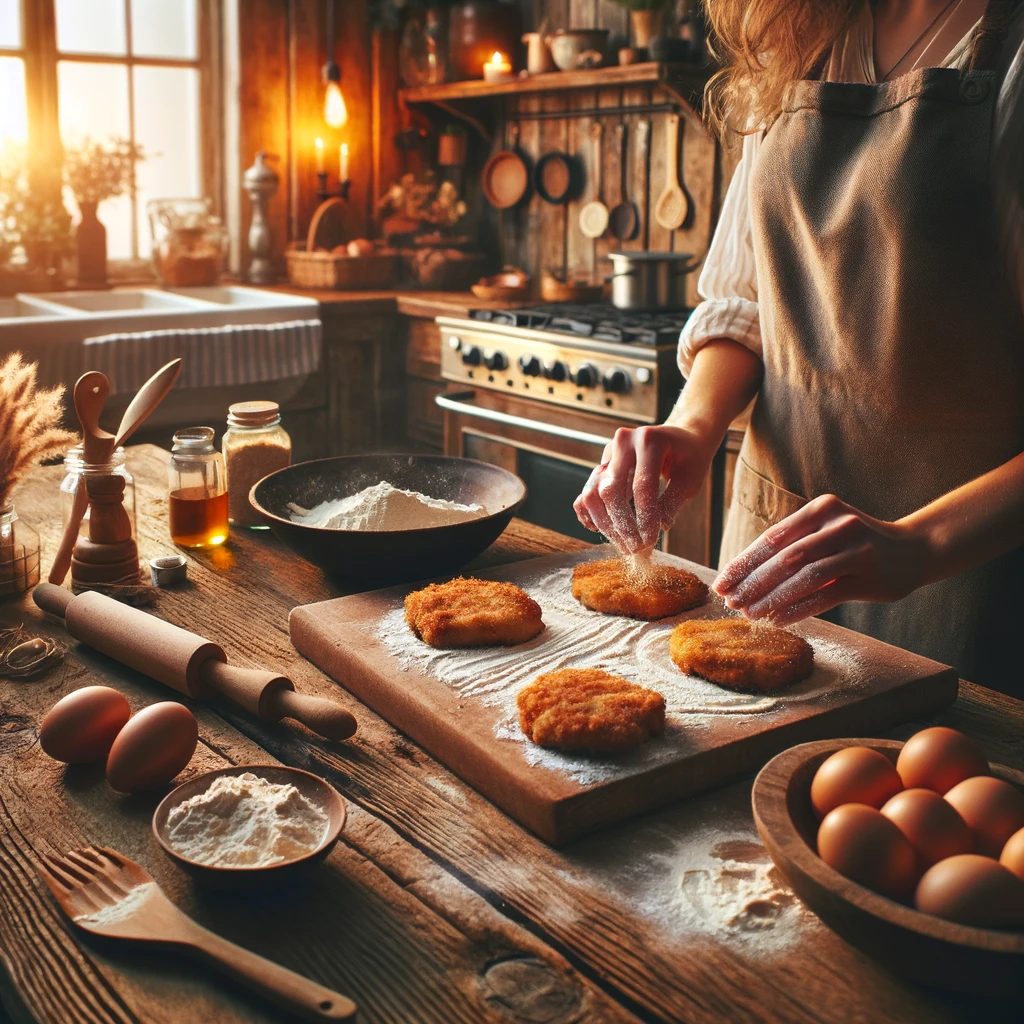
(363,559)
(557,178)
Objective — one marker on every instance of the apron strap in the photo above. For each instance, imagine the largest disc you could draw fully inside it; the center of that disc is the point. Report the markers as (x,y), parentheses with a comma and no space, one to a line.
(990,35)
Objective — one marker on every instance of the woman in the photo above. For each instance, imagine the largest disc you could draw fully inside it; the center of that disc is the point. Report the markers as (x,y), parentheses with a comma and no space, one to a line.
(865,284)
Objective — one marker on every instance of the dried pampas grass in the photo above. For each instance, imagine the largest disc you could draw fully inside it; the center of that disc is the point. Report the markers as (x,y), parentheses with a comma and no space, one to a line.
(30,419)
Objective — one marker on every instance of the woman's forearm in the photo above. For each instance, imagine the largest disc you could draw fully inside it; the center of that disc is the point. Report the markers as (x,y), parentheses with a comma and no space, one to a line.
(976,522)
(724,379)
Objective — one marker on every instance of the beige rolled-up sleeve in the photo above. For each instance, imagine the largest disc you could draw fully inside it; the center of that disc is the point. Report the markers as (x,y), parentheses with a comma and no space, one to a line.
(728,281)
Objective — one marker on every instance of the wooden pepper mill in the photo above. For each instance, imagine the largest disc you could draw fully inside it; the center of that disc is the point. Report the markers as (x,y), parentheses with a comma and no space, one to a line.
(110,555)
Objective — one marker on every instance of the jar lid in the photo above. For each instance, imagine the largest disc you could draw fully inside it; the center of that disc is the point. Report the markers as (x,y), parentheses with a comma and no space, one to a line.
(194,439)
(253,414)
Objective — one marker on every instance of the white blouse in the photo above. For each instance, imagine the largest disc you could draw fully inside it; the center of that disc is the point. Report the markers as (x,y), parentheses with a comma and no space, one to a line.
(728,280)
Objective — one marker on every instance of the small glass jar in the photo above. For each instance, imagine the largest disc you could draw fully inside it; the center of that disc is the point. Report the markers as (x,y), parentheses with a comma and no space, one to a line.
(19,554)
(198,493)
(254,445)
(190,245)
(75,468)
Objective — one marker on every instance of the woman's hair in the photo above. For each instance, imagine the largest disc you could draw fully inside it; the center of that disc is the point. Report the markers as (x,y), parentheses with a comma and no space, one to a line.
(763,45)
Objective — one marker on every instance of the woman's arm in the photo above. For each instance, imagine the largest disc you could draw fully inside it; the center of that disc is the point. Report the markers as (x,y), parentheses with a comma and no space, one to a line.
(829,552)
(621,498)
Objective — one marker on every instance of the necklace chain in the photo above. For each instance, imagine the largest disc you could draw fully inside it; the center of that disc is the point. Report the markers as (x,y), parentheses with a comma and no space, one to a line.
(917,41)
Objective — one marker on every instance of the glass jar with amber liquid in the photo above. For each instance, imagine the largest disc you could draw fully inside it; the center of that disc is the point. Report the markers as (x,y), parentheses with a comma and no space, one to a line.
(198,490)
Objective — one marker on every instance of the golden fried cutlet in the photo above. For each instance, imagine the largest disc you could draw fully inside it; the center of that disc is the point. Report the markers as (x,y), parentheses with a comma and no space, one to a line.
(585,709)
(473,613)
(741,655)
(653,592)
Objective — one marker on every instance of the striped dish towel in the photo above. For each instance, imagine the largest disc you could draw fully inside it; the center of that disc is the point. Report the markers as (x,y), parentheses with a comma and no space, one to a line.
(210,356)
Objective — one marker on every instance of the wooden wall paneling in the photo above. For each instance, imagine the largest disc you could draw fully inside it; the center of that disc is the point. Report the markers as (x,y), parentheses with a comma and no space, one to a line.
(580,250)
(553,220)
(306,55)
(659,239)
(529,213)
(263,106)
(636,164)
(354,54)
(582,14)
(615,18)
(698,167)
(610,99)
(387,163)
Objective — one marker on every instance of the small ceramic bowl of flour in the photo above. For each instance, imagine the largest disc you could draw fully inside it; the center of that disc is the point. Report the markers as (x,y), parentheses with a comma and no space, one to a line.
(249,823)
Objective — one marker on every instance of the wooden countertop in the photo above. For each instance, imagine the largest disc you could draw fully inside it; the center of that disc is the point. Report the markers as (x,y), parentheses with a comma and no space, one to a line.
(434,906)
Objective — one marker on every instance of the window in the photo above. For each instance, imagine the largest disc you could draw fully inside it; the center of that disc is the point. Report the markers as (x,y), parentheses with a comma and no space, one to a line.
(127,68)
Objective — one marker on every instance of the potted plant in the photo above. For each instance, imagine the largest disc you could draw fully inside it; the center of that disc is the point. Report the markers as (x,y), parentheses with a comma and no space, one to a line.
(95,171)
(645,18)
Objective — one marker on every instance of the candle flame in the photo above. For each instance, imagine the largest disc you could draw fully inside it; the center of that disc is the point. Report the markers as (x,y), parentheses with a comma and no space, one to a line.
(497,60)
(335,112)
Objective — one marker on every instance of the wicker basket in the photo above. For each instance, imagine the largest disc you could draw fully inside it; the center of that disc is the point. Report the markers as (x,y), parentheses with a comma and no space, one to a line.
(308,268)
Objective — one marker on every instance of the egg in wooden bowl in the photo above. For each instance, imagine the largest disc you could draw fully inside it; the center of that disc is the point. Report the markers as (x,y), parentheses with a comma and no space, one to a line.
(919,946)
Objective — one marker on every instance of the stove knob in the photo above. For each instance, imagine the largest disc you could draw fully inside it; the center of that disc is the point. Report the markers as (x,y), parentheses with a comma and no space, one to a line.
(530,365)
(556,370)
(617,382)
(644,375)
(471,355)
(496,360)
(454,342)
(587,376)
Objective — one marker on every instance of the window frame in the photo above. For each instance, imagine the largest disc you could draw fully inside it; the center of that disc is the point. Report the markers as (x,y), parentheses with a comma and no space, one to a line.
(40,54)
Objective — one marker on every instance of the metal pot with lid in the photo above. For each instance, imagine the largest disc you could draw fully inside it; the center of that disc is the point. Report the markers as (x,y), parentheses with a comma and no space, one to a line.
(651,280)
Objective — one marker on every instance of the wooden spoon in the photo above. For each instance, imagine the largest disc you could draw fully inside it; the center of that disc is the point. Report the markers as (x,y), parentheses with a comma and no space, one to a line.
(673,207)
(624,218)
(594,216)
(91,391)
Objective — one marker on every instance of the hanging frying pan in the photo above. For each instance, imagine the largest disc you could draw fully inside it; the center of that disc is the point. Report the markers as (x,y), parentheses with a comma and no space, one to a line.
(556,178)
(594,216)
(506,177)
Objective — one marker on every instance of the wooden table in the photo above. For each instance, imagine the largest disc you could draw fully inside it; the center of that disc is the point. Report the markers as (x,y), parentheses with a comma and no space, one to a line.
(434,906)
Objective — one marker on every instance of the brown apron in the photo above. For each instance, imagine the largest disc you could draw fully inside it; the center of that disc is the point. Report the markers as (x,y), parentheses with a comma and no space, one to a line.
(893,338)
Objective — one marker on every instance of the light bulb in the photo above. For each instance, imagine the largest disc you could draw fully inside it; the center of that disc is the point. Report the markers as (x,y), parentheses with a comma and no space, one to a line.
(335,113)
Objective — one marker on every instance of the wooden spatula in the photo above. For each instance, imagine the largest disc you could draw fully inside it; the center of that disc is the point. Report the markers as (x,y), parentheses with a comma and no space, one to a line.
(91,392)
(107,894)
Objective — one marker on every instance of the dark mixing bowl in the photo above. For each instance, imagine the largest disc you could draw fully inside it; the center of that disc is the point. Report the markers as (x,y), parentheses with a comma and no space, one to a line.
(373,558)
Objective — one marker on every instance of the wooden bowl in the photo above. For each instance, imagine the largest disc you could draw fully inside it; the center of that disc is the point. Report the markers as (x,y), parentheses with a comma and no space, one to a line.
(918,946)
(312,787)
(363,559)
(505,179)
(555,289)
(509,286)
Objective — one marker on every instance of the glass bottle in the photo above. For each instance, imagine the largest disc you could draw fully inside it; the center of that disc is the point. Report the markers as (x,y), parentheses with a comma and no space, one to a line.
(437,47)
(19,554)
(75,468)
(413,67)
(198,490)
(190,246)
(254,446)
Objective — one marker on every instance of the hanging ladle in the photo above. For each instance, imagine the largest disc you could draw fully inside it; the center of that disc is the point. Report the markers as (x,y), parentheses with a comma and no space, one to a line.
(594,216)
(673,206)
(624,218)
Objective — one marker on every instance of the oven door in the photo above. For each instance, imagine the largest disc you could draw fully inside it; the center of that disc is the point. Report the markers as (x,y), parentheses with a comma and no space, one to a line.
(554,451)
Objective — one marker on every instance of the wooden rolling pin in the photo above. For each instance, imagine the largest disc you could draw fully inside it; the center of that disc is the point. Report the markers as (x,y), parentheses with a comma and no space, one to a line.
(187,662)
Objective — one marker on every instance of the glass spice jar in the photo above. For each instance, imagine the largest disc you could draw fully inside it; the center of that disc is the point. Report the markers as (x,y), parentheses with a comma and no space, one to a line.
(75,468)
(19,554)
(190,245)
(198,490)
(254,445)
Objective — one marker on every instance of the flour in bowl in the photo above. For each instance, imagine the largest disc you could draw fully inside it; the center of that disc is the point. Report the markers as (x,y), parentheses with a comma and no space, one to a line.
(246,821)
(385,507)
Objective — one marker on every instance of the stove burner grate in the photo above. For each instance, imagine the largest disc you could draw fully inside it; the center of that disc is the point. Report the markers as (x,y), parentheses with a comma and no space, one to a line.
(602,322)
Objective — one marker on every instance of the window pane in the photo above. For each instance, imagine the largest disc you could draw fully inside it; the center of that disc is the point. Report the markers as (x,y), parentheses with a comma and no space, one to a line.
(10,23)
(93,102)
(13,112)
(162,29)
(167,127)
(90,26)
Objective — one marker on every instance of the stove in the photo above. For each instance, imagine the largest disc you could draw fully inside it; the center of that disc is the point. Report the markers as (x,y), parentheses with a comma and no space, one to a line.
(594,357)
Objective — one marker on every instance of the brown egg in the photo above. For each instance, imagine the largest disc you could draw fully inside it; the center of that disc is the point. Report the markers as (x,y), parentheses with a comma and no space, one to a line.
(853,775)
(152,748)
(81,727)
(868,848)
(939,758)
(974,890)
(992,808)
(1012,856)
(934,828)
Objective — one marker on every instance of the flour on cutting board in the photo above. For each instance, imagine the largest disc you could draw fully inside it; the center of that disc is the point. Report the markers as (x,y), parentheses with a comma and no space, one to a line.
(574,636)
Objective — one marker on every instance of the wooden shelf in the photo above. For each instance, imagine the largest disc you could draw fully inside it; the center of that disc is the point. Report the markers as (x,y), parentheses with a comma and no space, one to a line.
(682,82)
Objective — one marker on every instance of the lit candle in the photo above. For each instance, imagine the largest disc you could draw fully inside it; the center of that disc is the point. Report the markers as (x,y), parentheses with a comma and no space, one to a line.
(497,69)
(319,156)
(344,162)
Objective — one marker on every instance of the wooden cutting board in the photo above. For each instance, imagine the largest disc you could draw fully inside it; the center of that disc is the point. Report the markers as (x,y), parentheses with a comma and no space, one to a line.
(460,711)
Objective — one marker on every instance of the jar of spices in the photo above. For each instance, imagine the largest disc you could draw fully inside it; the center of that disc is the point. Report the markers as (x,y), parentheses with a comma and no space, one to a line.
(255,445)
(198,490)
(76,468)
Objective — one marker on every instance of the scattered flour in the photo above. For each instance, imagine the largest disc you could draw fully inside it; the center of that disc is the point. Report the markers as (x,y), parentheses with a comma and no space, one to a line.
(385,507)
(120,911)
(574,636)
(246,821)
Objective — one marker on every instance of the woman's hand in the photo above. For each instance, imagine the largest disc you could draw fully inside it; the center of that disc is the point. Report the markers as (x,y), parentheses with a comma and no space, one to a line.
(623,498)
(821,556)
